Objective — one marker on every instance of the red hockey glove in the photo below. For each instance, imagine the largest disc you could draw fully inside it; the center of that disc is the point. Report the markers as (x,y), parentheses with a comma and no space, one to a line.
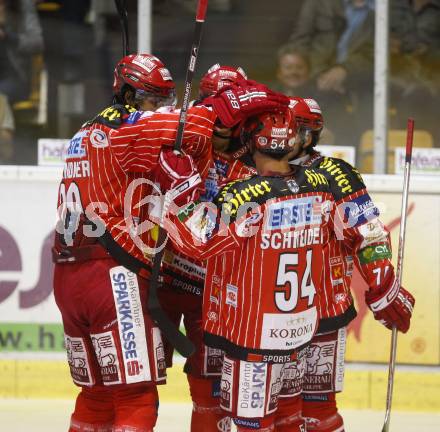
(235,103)
(178,177)
(392,307)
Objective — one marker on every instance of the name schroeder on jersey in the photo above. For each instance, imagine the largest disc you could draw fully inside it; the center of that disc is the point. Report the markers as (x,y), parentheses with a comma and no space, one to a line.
(263,239)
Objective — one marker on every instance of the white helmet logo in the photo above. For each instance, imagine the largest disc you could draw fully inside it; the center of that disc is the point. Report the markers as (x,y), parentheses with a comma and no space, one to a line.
(262,141)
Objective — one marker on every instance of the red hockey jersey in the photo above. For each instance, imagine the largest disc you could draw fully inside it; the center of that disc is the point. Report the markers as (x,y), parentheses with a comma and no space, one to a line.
(264,241)
(183,272)
(346,184)
(262,265)
(107,170)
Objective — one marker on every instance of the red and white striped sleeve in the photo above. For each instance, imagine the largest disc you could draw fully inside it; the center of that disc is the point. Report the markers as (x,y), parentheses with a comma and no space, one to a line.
(202,233)
(366,238)
(137,147)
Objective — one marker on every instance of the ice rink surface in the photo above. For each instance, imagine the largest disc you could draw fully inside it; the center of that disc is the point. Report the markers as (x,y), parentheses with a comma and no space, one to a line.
(52,416)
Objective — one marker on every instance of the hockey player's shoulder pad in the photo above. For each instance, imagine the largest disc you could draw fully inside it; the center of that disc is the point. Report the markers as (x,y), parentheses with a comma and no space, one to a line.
(113,116)
(343,178)
(235,197)
(239,193)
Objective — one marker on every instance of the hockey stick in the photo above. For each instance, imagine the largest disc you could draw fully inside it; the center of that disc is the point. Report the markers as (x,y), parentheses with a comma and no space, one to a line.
(182,344)
(121,7)
(392,364)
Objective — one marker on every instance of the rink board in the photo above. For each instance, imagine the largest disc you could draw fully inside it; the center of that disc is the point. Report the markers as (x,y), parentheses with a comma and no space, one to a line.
(365,388)
(30,322)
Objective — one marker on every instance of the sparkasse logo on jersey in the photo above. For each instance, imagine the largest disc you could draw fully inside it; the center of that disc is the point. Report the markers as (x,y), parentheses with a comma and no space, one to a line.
(131,324)
(252,390)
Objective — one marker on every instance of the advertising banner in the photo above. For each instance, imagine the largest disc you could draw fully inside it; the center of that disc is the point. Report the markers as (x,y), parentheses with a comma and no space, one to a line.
(424,161)
(368,340)
(30,320)
(51,152)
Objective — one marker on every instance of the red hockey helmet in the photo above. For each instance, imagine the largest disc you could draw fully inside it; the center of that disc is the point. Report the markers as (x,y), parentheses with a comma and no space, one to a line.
(307,114)
(148,76)
(218,77)
(271,132)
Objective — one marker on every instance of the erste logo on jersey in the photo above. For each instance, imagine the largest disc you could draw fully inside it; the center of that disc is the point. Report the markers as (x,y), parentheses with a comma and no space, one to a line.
(98,138)
(77,147)
(296,212)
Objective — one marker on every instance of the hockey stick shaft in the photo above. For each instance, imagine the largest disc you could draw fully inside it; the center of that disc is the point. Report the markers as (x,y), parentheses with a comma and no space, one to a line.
(121,7)
(393,349)
(200,19)
(180,342)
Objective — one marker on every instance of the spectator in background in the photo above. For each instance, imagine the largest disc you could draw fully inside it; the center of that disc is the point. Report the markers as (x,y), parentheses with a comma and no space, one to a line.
(338,36)
(20,38)
(6,131)
(415,62)
(294,79)
(293,73)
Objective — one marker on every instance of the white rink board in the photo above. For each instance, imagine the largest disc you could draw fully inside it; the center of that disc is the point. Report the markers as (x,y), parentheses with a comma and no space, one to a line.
(27,215)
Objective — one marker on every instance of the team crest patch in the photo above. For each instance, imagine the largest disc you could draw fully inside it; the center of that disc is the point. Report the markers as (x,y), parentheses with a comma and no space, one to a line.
(231,295)
(98,138)
(226,384)
(293,185)
(78,361)
(106,353)
(213,359)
